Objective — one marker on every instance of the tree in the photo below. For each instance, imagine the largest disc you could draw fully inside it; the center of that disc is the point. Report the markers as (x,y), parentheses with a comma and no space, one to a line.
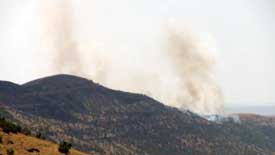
(64,147)
(40,135)
(9,127)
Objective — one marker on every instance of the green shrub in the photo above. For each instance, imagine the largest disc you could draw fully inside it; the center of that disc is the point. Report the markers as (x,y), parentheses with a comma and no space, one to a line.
(9,127)
(26,131)
(64,147)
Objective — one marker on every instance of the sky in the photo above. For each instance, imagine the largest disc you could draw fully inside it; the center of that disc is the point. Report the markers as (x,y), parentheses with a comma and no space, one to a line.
(243,32)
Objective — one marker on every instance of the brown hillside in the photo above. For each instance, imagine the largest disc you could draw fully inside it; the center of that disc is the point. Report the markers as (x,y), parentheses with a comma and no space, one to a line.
(98,119)
(23,145)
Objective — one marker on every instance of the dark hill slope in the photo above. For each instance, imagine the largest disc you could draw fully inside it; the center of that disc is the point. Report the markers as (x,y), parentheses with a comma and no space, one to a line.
(95,118)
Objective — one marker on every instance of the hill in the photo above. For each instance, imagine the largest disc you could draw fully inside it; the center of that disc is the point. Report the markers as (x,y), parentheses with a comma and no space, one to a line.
(257,120)
(264,110)
(13,142)
(98,119)
(27,145)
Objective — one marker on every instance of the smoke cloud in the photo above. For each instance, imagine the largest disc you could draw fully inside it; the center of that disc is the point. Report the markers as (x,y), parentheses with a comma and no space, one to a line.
(180,74)
(194,61)
(59,34)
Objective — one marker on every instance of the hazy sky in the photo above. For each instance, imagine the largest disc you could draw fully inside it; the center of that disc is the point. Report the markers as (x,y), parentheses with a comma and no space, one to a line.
(243,31)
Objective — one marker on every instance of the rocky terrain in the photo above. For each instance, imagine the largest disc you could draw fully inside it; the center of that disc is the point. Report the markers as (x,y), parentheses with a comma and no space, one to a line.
(105,121)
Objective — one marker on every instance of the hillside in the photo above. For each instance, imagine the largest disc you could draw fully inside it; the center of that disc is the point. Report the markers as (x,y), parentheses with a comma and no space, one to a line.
(23,145)
(98,119)
(257,120)
(16,141)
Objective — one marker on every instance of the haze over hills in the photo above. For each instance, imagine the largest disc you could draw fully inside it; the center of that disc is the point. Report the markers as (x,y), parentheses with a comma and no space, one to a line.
(267,110)
(98,119)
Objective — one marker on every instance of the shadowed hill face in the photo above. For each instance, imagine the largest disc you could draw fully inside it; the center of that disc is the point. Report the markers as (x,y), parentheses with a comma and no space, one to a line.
(59,96)
(96,118)
(9,89)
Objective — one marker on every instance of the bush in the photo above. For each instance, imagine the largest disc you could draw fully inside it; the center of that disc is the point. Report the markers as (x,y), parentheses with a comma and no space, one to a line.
(64,147)
(8,126)
(39,135)
(26,131)
(10,151)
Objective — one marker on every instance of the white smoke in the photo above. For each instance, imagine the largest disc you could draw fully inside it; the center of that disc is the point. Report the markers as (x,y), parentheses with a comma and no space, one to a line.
(179,75)
(194,61)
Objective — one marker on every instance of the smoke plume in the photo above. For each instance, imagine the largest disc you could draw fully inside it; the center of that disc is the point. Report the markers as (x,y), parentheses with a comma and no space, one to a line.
(59,25)
(179,75)
(194,63)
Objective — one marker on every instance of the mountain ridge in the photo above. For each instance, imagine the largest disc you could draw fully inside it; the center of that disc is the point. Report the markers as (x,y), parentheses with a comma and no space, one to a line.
(95,117)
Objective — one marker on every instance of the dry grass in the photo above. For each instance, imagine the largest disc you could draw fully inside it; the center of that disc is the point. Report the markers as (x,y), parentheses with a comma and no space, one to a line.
(21,143)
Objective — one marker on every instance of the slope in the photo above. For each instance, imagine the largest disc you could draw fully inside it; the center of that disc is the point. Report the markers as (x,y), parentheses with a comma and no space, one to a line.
(99,119)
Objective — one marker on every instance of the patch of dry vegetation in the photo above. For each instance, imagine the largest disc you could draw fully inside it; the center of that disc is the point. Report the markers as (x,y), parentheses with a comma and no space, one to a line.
(27,145)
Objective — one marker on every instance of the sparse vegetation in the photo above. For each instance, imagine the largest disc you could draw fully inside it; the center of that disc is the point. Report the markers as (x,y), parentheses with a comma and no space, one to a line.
(100,120)
(10,151)
(23,142)
(26,145)
(8,127)
(40,135)
(26,131)
(64,147)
